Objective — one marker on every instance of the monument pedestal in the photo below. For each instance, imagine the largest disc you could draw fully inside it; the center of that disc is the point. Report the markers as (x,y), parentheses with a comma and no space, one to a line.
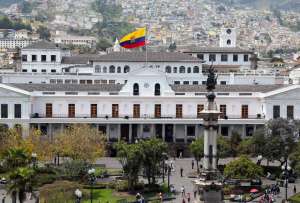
(210,183)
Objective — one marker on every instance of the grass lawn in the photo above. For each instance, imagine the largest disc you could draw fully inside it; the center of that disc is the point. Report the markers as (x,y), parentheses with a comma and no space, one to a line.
(295,198)
(108,195)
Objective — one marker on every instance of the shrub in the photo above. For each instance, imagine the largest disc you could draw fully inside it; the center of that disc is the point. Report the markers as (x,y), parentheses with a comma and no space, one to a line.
(121,185)
(75,168)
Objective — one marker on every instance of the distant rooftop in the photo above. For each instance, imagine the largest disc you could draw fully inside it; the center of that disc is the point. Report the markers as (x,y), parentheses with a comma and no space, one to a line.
(213,50)
(227,88)
(69,87)
(151,57)
(79,59)
(42,45)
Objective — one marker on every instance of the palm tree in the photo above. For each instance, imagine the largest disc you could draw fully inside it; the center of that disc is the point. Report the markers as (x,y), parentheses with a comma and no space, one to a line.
(21,181)
(15,157)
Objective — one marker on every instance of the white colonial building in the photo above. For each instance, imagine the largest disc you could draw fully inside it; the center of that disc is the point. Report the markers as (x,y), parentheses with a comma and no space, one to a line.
(146,106)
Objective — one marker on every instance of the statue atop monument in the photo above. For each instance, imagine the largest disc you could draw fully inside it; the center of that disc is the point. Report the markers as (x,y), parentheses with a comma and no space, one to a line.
(211,80)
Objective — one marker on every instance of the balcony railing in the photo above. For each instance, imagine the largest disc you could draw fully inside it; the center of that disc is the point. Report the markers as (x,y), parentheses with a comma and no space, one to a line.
(145,116)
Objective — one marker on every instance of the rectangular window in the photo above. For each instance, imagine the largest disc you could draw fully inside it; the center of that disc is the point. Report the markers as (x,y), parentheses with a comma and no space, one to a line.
(249,131)
(53,71)
(71,110)
(244,111)
(235,57)
(115,110)
(191,130)
(276,111)
(223,111)
(93,110)
(224,57)
(195,82)
(157,111)
(212,57)
(200,107)
(136,111)
(186,82)
(246,57)
(43,58)
(18,111)
(178,110)
(4,111)
(44,70)
(33,58)
(34,70)
(200,56)
(48,110)
(290,112)
(223,82)
(24,58)
(53,58)
(224,130)
(176,82)
(24,70)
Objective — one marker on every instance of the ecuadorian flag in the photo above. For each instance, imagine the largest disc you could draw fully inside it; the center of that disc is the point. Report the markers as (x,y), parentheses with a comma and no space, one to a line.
(134,39)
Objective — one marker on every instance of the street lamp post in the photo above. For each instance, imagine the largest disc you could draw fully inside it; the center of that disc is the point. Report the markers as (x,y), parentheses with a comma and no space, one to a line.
(34,159)
(259,159)
(92,179)
(286,168)
(78,195)
(165,157)
(169,173)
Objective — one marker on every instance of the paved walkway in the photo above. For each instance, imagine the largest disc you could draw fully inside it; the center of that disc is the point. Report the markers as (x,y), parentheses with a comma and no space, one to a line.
(178,181)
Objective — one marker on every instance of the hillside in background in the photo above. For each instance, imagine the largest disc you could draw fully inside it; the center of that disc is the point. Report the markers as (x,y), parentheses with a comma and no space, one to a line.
(266,4)
(5,3)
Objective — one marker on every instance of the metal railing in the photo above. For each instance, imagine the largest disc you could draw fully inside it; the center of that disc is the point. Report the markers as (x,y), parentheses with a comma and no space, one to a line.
(145,116)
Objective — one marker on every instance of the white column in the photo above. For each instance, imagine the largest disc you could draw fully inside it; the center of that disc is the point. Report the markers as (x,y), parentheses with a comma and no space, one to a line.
(243,131)
(185,133)
(130,133)
(119,132)
(140,131)
(50,131)
(174,133)
(25,129)
(164,132)
(152,130)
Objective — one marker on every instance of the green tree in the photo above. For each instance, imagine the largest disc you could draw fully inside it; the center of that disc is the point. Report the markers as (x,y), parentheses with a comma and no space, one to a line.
(224,148)
(245,147)
(242,168)
(21,181)
(103,44)
(15,157)
(44,32)
(295,158)
(269,141)
(235,140)
(80,142)
(197,149)
(130,157)
(152,151)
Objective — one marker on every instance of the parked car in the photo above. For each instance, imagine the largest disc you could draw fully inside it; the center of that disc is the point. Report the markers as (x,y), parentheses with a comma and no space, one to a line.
(291,179)
(256,182)
(3,181)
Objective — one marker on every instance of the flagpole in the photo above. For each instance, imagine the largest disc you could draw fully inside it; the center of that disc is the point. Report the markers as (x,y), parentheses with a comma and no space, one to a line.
(146,47)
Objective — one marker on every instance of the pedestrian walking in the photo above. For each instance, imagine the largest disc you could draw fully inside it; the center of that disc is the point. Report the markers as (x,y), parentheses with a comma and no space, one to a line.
(188,197)
(193,164)
(295,189)
(195,194)
(181,172)
(183,200)
(180,155)
(182,191)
